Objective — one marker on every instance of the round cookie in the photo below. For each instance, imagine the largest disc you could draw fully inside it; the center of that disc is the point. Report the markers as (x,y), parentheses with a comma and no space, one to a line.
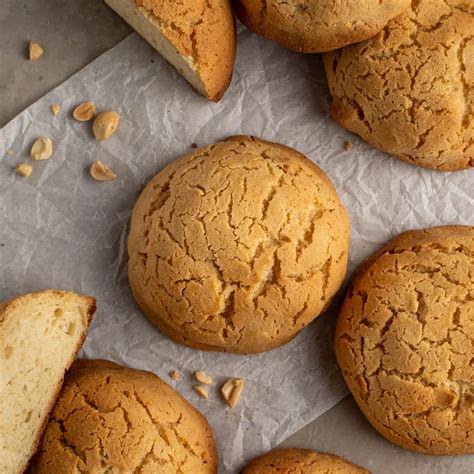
(408,91)
(405,339)
(237,246)
(316,26)
(112,419)
(303,461)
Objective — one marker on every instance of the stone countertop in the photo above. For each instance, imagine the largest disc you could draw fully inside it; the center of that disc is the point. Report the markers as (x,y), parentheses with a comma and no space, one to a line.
(75,32)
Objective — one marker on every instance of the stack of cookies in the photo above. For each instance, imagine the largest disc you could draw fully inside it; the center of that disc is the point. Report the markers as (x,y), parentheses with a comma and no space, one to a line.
(239,245)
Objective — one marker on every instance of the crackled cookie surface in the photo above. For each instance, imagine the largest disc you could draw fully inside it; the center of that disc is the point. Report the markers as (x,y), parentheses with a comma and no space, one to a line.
(196,36)
(405,339)
(301,461)
(112,419)
(237,246)
(409,90)
(316,26)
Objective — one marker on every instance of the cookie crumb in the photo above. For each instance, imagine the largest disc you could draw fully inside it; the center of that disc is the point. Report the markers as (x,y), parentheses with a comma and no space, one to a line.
(23,169)
(348,145)
(203,378)
(194,145)
(101,172)
(175,375)
(55,109)
(35,51)
(201,390)
(232,390)
(10,152)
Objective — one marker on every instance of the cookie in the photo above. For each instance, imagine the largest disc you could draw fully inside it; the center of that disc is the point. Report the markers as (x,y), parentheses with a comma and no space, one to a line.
(409,90)
(237,246)
(196,36)
(112,419)
(317,26)
(40,335)
(405,339)
(302,461)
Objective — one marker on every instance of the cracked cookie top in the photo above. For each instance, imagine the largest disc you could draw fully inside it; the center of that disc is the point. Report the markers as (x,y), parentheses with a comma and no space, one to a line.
(203,32)
(237,246)
(311,26)
(301,461)
(409,90)
(405,339)
(112,419)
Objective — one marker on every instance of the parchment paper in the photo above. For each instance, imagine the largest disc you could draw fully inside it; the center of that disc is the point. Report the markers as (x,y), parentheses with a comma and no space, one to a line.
(61,229)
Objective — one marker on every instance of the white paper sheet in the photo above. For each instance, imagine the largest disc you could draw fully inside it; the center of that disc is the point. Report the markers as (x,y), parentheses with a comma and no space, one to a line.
(61,229)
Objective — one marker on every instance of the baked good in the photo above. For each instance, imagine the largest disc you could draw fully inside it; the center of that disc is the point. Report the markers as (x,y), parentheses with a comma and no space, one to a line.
(109,418)
(237,246)
(40,334)
(196,36)
(319,25)
(302,461)
(405,339)
(409,90)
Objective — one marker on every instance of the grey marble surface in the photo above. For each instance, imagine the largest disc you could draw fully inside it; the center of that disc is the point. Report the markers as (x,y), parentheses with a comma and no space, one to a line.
(73,33)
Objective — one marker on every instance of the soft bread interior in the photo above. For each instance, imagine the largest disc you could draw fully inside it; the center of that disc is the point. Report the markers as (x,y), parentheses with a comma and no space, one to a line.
(39,337)
(148,26)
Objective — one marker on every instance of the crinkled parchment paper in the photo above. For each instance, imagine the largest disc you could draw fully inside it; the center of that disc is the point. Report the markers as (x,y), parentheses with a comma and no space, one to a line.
(61,229)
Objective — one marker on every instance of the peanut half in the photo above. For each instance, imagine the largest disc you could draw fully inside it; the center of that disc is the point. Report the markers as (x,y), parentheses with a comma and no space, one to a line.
(42,149)
(84,112)
(105,125)
(101,172)
(232,390)
(203,378)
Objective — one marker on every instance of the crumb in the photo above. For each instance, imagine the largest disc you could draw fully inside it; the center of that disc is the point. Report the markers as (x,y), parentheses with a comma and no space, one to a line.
(24,170)
(35,51)
(201,390)
(194,145)
(175,375)
(55,109)
(348,146)
(10,152)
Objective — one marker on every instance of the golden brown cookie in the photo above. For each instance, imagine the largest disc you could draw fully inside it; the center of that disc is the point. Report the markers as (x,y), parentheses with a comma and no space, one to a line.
(409,90)
(112,419)
(405,339)
(196,36)
(311,26)
(301,461)
(237,246)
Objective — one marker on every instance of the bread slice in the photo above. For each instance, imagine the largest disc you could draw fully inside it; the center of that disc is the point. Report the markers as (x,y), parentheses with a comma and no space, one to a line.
(40,335)
(196,36)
